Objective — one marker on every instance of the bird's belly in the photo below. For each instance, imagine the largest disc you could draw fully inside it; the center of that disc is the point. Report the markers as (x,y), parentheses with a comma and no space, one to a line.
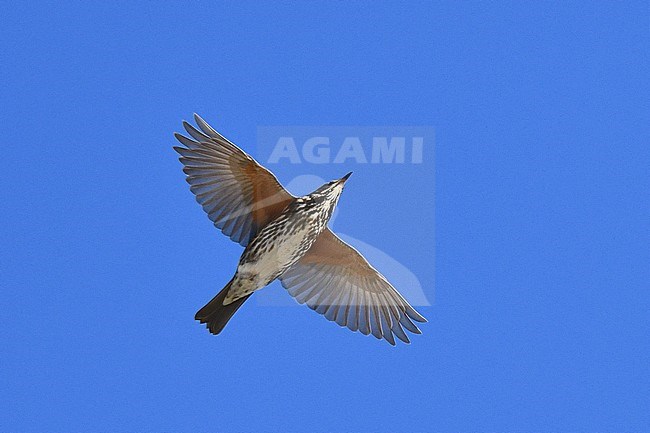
(275,258)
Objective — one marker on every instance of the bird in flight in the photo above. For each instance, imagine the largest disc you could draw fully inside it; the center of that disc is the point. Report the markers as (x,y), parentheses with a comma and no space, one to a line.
(286,238)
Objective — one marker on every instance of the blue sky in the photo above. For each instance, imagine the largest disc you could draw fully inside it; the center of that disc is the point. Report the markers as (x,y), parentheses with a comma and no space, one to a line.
(540,212)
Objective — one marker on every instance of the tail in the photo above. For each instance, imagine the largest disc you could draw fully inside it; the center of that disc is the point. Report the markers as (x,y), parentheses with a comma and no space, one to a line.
(215,314)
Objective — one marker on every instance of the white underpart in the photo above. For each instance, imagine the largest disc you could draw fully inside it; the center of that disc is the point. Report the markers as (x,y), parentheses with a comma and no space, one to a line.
(276,259)
(267,267)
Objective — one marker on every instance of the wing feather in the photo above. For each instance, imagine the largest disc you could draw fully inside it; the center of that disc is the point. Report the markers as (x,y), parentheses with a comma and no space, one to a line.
(333,279)
(238,194)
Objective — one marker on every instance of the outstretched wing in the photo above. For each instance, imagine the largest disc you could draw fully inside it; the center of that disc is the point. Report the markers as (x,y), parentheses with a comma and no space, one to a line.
(238,194)
(333,279)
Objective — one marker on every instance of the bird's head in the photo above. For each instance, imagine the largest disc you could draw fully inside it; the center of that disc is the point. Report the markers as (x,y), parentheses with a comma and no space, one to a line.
(330,192)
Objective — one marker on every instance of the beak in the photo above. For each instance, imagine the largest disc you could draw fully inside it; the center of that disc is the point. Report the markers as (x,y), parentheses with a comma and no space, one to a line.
(344,178)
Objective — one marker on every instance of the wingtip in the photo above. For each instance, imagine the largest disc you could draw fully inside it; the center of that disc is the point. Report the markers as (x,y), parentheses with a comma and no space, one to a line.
(407,343)
(413,314)
(197,118)
(404,339)
(206,128)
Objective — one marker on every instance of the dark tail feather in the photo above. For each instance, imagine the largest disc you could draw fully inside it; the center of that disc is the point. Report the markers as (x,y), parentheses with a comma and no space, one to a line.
(215,314)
